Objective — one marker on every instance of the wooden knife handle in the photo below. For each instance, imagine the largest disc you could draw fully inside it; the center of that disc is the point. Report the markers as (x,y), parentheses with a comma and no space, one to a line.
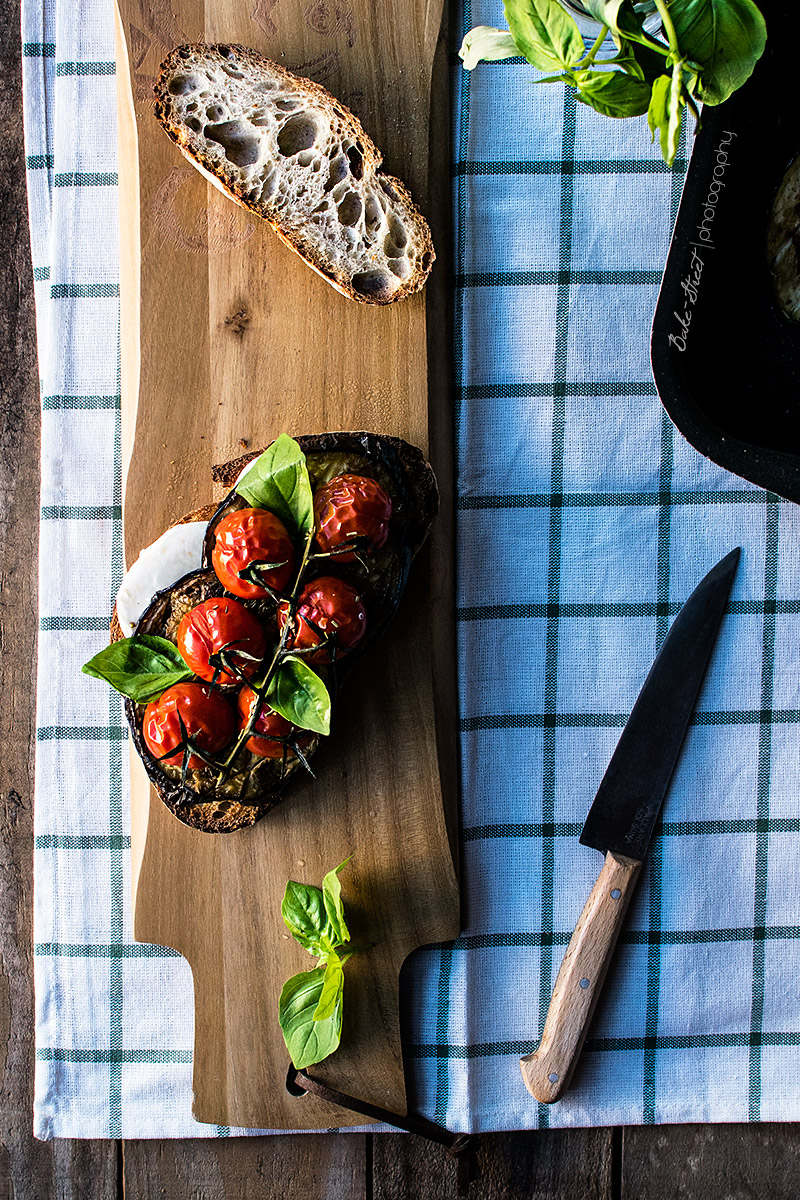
(548,1070)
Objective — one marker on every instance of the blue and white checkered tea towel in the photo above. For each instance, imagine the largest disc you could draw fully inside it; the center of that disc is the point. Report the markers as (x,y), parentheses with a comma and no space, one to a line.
(584,521)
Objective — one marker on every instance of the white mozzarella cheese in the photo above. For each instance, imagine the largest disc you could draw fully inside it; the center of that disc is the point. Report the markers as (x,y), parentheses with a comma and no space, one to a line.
(172,556)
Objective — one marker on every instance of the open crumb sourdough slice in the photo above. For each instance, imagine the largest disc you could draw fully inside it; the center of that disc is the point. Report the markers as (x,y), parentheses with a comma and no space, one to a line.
(284,148)
(253,784)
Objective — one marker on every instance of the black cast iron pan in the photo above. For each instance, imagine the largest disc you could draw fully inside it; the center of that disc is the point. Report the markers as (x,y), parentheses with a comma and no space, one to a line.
(726,360)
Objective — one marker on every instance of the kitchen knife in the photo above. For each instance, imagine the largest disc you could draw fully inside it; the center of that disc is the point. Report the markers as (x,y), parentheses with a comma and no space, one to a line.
(621,821)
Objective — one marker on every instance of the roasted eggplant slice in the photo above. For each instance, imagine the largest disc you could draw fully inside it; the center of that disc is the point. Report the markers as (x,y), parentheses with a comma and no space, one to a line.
(197,797)
(405,476)
(216,800)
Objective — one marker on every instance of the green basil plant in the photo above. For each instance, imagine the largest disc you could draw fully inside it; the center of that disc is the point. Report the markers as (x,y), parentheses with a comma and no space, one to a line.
(701,53)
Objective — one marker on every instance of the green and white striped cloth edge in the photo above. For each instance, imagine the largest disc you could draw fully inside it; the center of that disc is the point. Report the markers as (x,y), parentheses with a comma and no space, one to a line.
(585,520)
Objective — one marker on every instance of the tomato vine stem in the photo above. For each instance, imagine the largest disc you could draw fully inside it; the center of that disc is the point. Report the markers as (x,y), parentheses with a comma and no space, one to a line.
(280,653)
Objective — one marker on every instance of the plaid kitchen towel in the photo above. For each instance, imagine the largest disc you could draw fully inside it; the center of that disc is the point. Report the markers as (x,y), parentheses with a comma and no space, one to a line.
(585,520)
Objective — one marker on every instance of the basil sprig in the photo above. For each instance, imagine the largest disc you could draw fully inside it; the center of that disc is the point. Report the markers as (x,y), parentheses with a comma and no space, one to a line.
(308,1039)
(310,1005)
(278,480)
(141,667)
(704,51)
(299,695)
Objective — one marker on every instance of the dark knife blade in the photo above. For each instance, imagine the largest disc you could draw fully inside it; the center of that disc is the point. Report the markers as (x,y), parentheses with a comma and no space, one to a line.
(629,798)
(620,822)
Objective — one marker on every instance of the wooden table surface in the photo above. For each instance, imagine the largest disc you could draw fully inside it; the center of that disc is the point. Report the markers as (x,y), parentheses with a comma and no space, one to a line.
(734,1162)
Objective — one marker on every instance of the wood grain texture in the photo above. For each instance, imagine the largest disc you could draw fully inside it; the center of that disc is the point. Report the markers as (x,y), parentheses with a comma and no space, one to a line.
(27,1168)
(232,339)
(547,1165)
(574,1164)
(711,1162)
(547,1072)
(404,1166)
(264,1168)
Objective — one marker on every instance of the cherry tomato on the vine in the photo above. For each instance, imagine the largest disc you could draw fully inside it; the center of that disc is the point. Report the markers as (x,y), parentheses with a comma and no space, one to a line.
(221,629)
(328,611)
(270,730)
(351,509)
(245,538)
(207,717)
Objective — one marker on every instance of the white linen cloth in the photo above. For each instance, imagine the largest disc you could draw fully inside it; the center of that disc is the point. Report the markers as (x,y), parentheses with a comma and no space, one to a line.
(585,520)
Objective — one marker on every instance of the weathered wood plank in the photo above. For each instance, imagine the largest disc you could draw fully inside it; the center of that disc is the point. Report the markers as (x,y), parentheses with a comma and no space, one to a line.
(404,1165)
(27,1168)
(704,1162)
(302,1166)
(546,1165)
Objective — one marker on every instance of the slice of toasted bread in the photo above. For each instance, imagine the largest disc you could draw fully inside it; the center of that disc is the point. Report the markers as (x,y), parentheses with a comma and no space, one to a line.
(408,479)
(284,148)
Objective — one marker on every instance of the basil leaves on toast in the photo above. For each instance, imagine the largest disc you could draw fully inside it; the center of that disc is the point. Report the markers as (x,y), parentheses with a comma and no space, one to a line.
(278,480)
(141,668)
(230,673)
(299,695)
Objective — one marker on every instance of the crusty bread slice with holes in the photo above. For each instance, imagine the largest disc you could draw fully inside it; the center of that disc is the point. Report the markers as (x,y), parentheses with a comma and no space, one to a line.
(284,148)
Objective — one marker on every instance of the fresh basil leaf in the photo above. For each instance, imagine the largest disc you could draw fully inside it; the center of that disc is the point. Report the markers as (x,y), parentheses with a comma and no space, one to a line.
(633,55)
(613,93)
(299,695)
(278,480)
(630,38)
(545,33)
(627,61)
(332,897)
(725,37)
(484,44)
(604,11)
(658,112)
(304,913)
(330,999)
(141,667)
(665,113)
(649,64)
(308,1041)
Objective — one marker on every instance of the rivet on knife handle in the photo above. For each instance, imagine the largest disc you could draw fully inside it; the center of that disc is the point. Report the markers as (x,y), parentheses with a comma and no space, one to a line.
(548,1070)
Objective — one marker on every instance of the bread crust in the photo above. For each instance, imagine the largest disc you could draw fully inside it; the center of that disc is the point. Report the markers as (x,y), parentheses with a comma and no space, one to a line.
(409,478)
(376,281)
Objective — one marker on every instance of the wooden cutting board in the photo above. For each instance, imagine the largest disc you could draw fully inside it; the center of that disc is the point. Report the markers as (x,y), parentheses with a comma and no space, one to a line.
(227,340)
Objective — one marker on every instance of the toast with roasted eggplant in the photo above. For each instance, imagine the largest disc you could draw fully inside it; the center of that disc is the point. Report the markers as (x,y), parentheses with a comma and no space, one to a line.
(232,671)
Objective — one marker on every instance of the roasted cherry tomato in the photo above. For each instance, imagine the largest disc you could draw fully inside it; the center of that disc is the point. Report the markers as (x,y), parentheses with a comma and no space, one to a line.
(246,538)
(269,729)
(329,611)
(207,716)
(351,509)
(219,629)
